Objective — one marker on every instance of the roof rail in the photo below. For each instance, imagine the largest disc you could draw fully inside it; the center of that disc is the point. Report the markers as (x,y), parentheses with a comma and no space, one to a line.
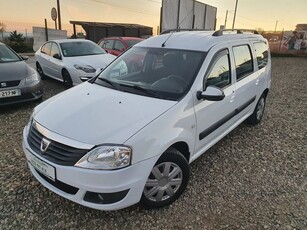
(239,31)
(179,29)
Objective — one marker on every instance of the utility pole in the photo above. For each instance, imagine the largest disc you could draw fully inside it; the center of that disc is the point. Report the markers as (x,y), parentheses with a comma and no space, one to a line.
(226,19)
(234,17)
(59,14)
(275,26)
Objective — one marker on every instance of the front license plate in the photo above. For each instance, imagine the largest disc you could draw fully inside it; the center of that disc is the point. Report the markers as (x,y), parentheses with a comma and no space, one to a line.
(42,167)
(10,93)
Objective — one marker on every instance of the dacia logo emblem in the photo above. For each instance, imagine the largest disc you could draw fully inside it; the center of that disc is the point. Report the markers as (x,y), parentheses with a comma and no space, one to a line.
(3,84)
(44,145)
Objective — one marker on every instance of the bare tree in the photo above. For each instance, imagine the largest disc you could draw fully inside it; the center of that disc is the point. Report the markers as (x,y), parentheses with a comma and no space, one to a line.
(2,28)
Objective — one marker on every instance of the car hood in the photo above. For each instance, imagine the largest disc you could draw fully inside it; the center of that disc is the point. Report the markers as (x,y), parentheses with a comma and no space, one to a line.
(96,61)
(13,71)
(94,114)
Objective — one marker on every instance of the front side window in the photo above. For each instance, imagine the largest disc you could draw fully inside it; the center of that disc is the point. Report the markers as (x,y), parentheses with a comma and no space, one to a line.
(243,60)
(7,55)
(54,49)
(80,48)
(155,72)
(119,45)
(219,75)
(262,53)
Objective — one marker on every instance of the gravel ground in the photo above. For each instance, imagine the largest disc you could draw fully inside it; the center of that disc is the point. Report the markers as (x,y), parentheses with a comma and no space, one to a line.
(255,178)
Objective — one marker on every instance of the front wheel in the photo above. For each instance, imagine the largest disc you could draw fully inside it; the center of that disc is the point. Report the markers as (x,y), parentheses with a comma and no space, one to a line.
(167,180)
(67,79)
(40,71)
(257,115)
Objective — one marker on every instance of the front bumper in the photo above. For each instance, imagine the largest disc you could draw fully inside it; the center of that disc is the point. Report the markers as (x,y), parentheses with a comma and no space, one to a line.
(80,183)
(28,93)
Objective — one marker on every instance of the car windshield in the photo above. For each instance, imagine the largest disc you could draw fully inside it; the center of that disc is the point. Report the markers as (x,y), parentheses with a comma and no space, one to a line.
(132,42)
(81,48)
(7,55)
(155,72)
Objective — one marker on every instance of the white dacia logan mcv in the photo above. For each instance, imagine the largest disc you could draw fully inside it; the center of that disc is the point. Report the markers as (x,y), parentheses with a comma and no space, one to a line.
(129,134)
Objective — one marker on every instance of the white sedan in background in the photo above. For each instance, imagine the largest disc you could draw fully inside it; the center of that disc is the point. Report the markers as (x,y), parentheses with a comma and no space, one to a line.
(71,61)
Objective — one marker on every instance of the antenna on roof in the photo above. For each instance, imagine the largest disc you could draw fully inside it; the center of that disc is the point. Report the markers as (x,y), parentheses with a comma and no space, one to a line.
(163,44)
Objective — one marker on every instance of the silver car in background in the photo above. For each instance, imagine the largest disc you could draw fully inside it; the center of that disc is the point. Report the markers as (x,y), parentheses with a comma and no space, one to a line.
(18,81)
(71,61)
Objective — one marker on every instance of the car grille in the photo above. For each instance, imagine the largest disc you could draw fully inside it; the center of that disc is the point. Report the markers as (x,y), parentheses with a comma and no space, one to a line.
(56,152)
(7,84)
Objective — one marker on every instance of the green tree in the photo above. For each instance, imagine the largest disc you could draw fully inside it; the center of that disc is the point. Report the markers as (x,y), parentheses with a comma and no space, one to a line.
(17,41)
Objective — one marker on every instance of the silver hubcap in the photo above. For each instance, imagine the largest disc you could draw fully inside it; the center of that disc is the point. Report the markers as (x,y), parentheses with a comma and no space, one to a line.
(163,182)
(260,108)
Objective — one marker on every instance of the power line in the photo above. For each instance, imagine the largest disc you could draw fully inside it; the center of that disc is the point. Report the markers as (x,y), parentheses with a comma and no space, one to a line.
(121,7)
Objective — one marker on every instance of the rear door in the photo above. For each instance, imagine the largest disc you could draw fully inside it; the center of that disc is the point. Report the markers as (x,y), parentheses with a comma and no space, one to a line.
(44,58)
(246,77)
(55,64)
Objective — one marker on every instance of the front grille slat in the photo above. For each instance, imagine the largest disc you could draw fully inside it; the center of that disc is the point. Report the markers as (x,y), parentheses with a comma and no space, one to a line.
(7,84)
(57,153)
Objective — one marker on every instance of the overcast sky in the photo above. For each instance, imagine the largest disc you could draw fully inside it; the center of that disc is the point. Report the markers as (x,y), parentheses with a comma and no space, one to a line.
(22,14)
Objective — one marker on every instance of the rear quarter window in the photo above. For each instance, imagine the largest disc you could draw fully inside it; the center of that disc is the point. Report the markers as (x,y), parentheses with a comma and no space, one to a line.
(262,53)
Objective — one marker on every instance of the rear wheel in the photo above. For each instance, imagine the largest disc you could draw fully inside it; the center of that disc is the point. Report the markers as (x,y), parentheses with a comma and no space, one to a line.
(67,79)
(40,71)
(257,115)
(167,180)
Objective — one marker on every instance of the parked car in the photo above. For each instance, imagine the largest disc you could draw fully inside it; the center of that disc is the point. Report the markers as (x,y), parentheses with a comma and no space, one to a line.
(129,135)
(18,81)
(72,61)
(117,45)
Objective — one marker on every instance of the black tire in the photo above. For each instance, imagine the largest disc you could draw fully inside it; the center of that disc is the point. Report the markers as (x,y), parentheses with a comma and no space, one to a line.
(257,115)
(67,79)
(161,190)
(40,71)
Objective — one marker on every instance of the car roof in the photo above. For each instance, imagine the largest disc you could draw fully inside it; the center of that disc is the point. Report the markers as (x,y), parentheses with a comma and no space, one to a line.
(124,38)
(69,40)
(195,40)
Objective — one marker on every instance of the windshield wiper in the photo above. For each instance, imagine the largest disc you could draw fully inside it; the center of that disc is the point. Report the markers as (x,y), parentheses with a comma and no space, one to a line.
(109,82)
(139,88)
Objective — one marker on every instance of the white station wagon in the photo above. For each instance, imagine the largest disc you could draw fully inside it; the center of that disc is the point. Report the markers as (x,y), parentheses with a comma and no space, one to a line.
(129,134)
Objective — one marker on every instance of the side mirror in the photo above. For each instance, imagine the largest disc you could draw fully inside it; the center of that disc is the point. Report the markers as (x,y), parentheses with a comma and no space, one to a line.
(57,56)
(24,58)
(98,71)
(212,93)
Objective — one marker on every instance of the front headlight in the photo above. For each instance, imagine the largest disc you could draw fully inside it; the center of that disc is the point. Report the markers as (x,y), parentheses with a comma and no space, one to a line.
(33,78)
(85,68)
(106,157)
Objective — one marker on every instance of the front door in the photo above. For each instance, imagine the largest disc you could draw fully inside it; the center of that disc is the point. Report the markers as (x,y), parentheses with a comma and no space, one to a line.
(215,117)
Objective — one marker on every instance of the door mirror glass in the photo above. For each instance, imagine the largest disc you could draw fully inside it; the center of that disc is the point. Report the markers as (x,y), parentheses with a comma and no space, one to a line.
(57,56)
(212,93)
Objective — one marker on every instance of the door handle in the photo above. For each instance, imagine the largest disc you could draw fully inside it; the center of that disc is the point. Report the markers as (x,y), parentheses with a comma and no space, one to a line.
(257,81)
(232,98)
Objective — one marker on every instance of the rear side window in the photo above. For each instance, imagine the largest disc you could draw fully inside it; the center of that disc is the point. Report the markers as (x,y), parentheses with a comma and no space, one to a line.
(219,75)
(46,49)
(262,53)
(243,60)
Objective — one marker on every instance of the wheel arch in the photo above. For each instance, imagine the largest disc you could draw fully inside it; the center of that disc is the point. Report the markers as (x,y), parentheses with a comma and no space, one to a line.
(183,148)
